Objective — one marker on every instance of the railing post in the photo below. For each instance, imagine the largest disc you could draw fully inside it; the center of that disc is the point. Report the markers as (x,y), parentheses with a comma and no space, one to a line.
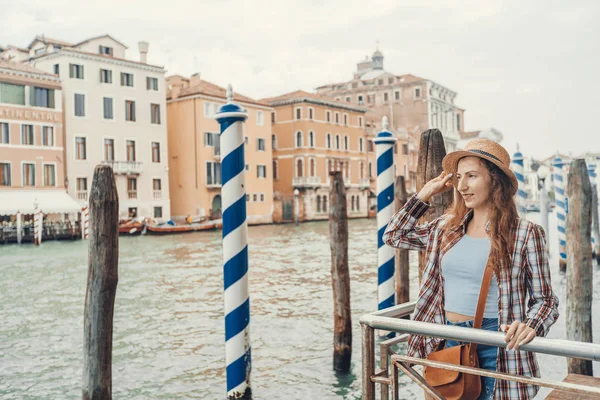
(519,170)
(340,276)
(103,276)
(431,154)
(402,267)
(231,118)
(384,142)
(561,211)
(368,362)
(579,271)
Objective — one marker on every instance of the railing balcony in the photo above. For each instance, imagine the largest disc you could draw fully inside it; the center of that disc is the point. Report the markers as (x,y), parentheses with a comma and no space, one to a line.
(347,181)
(125,167)
(364,183)
(306,181)
(82,195)
(157,194)
(213,185)
(132,194)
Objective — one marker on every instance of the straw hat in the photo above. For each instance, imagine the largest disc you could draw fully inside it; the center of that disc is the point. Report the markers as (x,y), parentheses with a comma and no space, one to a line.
(482,148)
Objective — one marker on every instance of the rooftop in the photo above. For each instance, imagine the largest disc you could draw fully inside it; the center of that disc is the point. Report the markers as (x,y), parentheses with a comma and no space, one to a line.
(210,89)
(21,67)
(300,96)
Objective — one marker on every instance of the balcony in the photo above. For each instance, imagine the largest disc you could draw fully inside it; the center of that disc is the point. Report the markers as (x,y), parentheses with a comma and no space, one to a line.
(132,194)
(364,183)
(213,185)
(82,195)
(306,182)
(347,181)
(157,194)
(125,167)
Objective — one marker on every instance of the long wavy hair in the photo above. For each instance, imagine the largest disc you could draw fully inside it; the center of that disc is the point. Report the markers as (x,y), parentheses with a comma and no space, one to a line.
(503,216)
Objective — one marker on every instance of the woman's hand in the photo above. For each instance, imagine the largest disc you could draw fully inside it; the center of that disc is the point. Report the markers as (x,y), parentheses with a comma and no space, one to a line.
(435,186)
(517,334)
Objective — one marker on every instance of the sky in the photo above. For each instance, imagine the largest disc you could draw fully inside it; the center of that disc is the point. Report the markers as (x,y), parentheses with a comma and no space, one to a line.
(530,69)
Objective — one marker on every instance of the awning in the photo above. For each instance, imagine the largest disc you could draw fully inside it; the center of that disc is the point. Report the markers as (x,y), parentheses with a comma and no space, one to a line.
(50,201)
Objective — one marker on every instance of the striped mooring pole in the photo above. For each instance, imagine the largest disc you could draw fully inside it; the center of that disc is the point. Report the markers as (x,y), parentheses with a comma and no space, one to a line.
(85,221)
(519,170)
(386,255)
(560,200)
(37,223)
(592,175)
(231,118)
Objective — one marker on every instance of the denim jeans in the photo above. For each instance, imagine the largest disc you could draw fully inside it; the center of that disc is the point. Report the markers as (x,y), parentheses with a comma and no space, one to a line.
(487,354)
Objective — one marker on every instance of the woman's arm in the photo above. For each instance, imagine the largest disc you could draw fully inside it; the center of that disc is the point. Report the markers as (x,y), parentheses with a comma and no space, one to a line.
(543,304)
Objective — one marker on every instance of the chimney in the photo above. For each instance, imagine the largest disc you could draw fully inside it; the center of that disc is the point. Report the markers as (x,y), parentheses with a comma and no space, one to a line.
(195,79)
(143,46)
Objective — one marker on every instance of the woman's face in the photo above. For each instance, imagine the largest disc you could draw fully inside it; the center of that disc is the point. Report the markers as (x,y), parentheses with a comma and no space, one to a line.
(474,182)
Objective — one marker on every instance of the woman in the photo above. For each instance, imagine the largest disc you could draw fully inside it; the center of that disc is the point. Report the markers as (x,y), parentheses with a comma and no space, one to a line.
(481,224)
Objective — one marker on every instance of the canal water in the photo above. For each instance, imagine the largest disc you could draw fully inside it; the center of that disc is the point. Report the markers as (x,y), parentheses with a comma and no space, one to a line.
(168,322)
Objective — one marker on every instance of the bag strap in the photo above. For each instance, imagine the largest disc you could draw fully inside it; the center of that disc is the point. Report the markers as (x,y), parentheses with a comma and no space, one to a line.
(483,294)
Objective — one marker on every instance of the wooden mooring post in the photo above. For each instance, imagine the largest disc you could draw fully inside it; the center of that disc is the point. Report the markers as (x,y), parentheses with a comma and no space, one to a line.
(595,227)
(402,267)
(431,153)
(579,263)
(101,286)
(340,275)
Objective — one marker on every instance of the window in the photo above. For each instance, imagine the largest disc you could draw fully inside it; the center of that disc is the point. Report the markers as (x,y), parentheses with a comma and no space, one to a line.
(324,203)
(210,109)
(337,141)
(417,93)
(311,139)
(126,79)
(390,81)
(109,149)
(28,174)
(360,122)
(357,203)
(370,169)
(274,141)
(261,171)
(27,135)
(151,83)
(57,69)
(385,97)
(155,113)
(313,167)
(129,110)
(405,149)
(105,76)
(247,167)
(348,99)
(41,97)
(130,147)
(329,140)
(370,98)
(132,188)
(273,117)
(360,100)
(369,146)
(397,95)
(328,116)
(260,144)
(107,104)
(12,94)
(155,152)
(345,142)
(260,118)
(80,148)
(345,119)
(380,81)
(360,144)
(79,105)
(213,173)
(157,212)
(298,139)
(5,174)
(47,136)
(337,118)
(299,168)
(457,122)
(247,198)
(275,170)
(262,197)
(76,71)
(4,133)
(156,185)
(49,175)
(298,113)
(210,139)
(318,204)
(82,184)
(311,112)
(106,50)
(255,197)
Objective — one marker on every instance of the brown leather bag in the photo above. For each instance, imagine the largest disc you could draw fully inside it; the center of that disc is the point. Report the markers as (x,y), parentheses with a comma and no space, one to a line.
(456,385)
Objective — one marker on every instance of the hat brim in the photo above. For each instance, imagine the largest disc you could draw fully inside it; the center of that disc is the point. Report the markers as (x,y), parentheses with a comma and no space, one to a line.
(450,165)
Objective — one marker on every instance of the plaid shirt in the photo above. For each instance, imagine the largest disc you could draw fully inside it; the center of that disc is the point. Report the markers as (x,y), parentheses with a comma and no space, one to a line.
(524,291)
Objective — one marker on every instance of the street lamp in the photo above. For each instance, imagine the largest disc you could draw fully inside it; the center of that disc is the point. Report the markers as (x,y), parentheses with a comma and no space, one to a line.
(542,173)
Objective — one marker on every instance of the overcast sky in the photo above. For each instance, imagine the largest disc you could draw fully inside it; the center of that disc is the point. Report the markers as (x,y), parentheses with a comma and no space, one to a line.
(528,68)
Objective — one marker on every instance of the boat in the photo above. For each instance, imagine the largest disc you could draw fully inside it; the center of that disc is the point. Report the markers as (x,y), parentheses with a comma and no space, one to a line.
(130,227)
(169,228)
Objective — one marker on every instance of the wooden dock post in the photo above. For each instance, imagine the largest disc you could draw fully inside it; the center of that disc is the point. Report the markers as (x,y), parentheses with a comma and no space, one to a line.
(431,153)
(101,286)
(595,226)
(402,267)
(340,276)
(579,264)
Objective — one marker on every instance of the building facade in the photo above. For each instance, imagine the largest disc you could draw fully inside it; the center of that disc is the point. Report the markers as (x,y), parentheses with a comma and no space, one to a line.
(312,136)
(195,156)
(411,103)
(115,114)
(32,148)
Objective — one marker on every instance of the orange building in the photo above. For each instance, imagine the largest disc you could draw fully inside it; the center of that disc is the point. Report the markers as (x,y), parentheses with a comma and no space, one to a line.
(194,151)
(313,135)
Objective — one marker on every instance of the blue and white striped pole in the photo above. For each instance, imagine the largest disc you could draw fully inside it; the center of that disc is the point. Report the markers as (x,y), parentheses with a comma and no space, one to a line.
(592,174)
(519,170)
(231,117)
(385,211)
(561,211)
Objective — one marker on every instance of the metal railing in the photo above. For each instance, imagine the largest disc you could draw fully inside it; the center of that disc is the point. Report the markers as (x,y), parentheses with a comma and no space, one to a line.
(391,320)
(82,195)
(306,181)
(157,194)
(132,194)
(126,167)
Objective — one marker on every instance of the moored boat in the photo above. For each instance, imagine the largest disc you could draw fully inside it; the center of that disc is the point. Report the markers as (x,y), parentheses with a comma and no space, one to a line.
(167,229)
(130,227)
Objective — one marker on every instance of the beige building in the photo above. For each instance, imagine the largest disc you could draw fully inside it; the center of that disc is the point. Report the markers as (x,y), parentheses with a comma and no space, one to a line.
(195,156)
(313,135)
(32,147)
(115,114)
